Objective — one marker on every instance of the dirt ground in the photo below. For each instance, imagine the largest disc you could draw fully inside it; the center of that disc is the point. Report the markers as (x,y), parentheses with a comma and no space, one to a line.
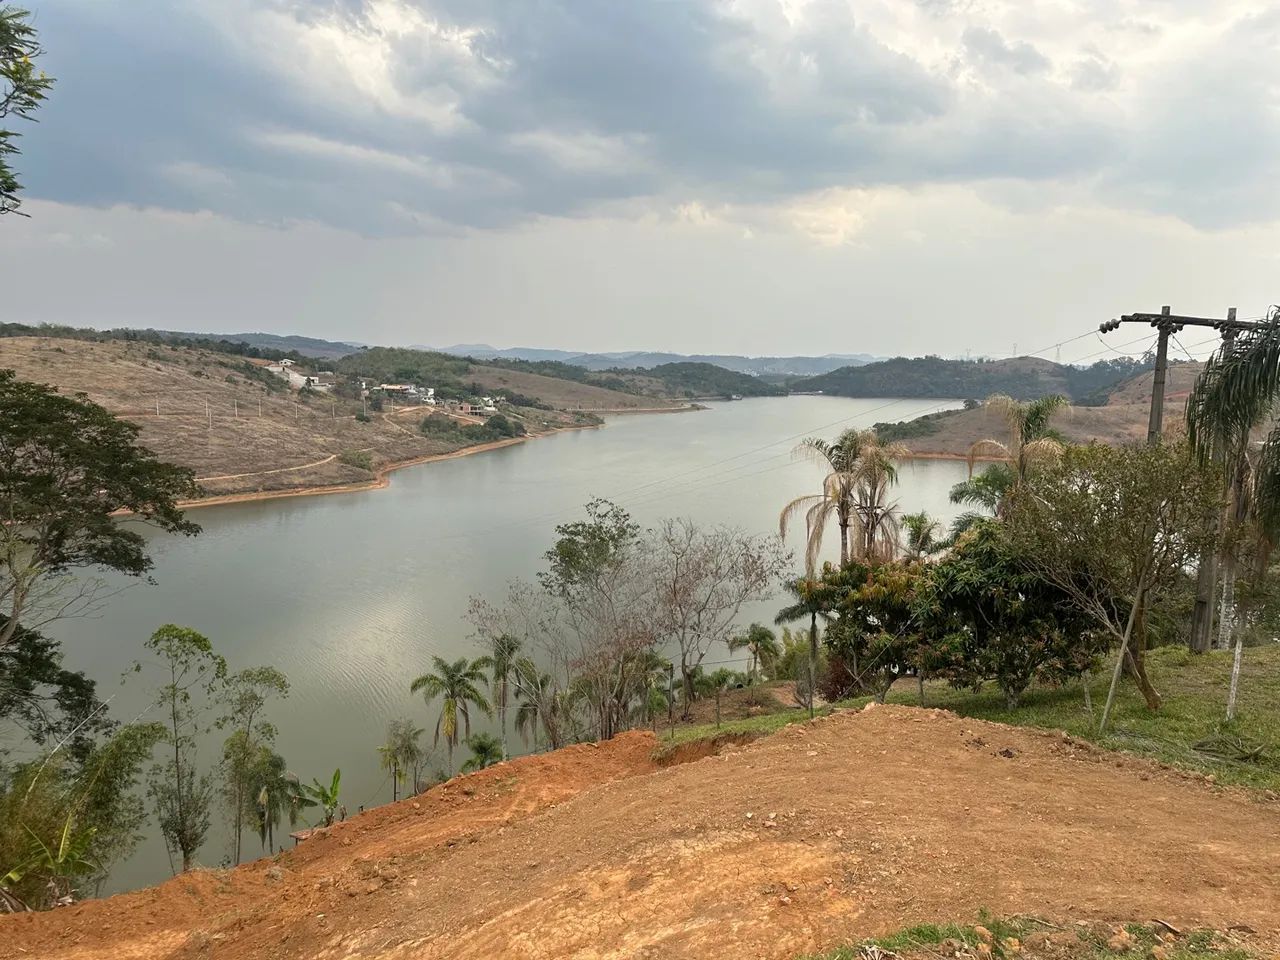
(848,827)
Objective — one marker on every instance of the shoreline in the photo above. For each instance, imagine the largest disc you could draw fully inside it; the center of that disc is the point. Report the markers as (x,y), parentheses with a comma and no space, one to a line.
(380,479)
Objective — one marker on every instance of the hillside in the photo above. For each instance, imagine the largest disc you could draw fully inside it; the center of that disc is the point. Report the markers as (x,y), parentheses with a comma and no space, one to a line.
(823,834)
(1122,418)
(1023,378)
(243,431)
(796,366)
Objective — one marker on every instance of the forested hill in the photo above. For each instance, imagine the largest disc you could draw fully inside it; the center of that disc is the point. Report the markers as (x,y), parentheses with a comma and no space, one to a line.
(1021,377)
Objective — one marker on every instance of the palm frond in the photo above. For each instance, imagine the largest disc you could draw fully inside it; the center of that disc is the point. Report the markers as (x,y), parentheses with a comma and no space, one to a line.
(987,449)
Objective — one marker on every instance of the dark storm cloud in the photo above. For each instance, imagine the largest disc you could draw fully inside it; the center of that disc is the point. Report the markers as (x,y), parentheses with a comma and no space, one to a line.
(488,113)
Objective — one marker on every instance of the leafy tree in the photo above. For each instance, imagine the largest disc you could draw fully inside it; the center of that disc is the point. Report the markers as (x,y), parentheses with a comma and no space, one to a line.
(457,685)
(717,682)
(504,650)
(813,599)
(193,673)
(1031,442)
(22,89)
(485,749)
(992,617)
(245,696)
(66,465)
(317,794)
(587,553)
(875,635)
(45,700)
(1109,526)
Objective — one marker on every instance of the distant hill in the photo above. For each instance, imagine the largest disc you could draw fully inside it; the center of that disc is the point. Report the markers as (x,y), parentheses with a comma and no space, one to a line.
(802,366)
(306,346)
(1021,377)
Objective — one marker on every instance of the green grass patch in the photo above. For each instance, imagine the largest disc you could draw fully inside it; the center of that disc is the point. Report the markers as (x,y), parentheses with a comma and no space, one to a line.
(1089,943)
(1190,730)
(761,725)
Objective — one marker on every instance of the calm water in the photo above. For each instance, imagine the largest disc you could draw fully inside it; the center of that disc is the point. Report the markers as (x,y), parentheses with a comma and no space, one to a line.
(350,595)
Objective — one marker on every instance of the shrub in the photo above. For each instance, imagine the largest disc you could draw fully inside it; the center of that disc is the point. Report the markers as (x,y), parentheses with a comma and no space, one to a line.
(360,459)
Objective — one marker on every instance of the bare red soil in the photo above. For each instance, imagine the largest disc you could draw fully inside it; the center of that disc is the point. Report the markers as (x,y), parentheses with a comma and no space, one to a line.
(827,832)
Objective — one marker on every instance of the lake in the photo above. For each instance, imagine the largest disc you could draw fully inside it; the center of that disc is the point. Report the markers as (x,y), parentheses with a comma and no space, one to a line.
(350,595)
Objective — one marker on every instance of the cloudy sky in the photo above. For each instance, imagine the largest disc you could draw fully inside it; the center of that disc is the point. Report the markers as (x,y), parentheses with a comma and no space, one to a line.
(750,176)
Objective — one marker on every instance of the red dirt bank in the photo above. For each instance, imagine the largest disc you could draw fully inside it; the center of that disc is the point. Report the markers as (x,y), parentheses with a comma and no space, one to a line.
(841,829)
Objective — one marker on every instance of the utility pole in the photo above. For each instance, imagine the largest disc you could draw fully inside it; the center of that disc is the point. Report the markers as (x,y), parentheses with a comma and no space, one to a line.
(1168,324)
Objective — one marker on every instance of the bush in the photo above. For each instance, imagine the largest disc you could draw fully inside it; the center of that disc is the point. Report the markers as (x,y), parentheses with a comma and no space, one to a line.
(363,417)
(360,459)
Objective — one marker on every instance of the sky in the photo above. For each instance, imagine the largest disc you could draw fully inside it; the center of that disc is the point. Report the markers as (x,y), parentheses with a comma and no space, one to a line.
(753,176)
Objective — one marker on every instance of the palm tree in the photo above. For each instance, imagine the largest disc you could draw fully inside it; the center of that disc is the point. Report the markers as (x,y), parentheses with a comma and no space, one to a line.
(401,754)
(1031,442)
(278,795)
(922,534)
(500,662)
(543,703)
(861,471)
(761,643)
(457,684)
(485,752)
(812,601)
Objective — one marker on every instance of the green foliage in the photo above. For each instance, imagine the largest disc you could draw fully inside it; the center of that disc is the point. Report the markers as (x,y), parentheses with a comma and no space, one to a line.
(588,550)
(64,821)
(1024,378)
(192,674)
(444,427)
(692,379)
(925,426)
(402,755)
(317,794)
(989,616)
(66,465)
(360,459)
(247,757)
(485,749)
(45,700)
(22,88)
(457,685)
(447,374)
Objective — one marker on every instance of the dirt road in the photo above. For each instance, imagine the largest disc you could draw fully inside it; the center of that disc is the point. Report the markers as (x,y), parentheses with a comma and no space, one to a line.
(845,828)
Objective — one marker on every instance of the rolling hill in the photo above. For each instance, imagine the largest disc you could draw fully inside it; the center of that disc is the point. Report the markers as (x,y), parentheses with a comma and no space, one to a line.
(1023,378)
(802,366)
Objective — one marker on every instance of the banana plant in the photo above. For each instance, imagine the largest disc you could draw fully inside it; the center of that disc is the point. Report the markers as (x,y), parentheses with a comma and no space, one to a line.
(316,794)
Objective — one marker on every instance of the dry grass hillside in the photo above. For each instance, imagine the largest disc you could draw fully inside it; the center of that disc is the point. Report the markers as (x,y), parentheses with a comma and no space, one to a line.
(1122,420)
(825,833)
(567,394)
(240,428)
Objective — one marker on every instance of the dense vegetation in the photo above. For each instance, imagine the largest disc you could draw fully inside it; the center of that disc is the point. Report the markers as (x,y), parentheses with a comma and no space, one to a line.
(1023,378)
(707,380)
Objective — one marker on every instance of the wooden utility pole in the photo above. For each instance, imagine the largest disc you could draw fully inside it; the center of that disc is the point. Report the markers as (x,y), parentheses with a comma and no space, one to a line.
(1167,324)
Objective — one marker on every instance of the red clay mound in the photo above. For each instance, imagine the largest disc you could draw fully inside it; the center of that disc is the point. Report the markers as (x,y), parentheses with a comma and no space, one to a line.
(826,832)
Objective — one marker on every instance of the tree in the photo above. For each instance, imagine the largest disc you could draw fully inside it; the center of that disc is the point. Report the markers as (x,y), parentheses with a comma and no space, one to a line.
(402,754)
(278,795)
(66,466)
(761,643)
(703,578)
(245,696)
(64,820)
(1031,442)
(317,794)
(45,700)
(182,796)
(1108,526)
(542,703)
(922,535)
(22,89)
(813,599)
(718,682)
(457,684)
(485,749)
(990,616)
(861,471)
(875,634)
(504,650)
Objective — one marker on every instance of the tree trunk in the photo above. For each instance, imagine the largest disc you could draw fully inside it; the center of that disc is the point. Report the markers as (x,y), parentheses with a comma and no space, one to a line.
(813,661)
(686,676)
(1135,661)
(920,683)
(1227,617)
(844,541)
(1235,676)
(1120,657)
(1202,614)
(717,708)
